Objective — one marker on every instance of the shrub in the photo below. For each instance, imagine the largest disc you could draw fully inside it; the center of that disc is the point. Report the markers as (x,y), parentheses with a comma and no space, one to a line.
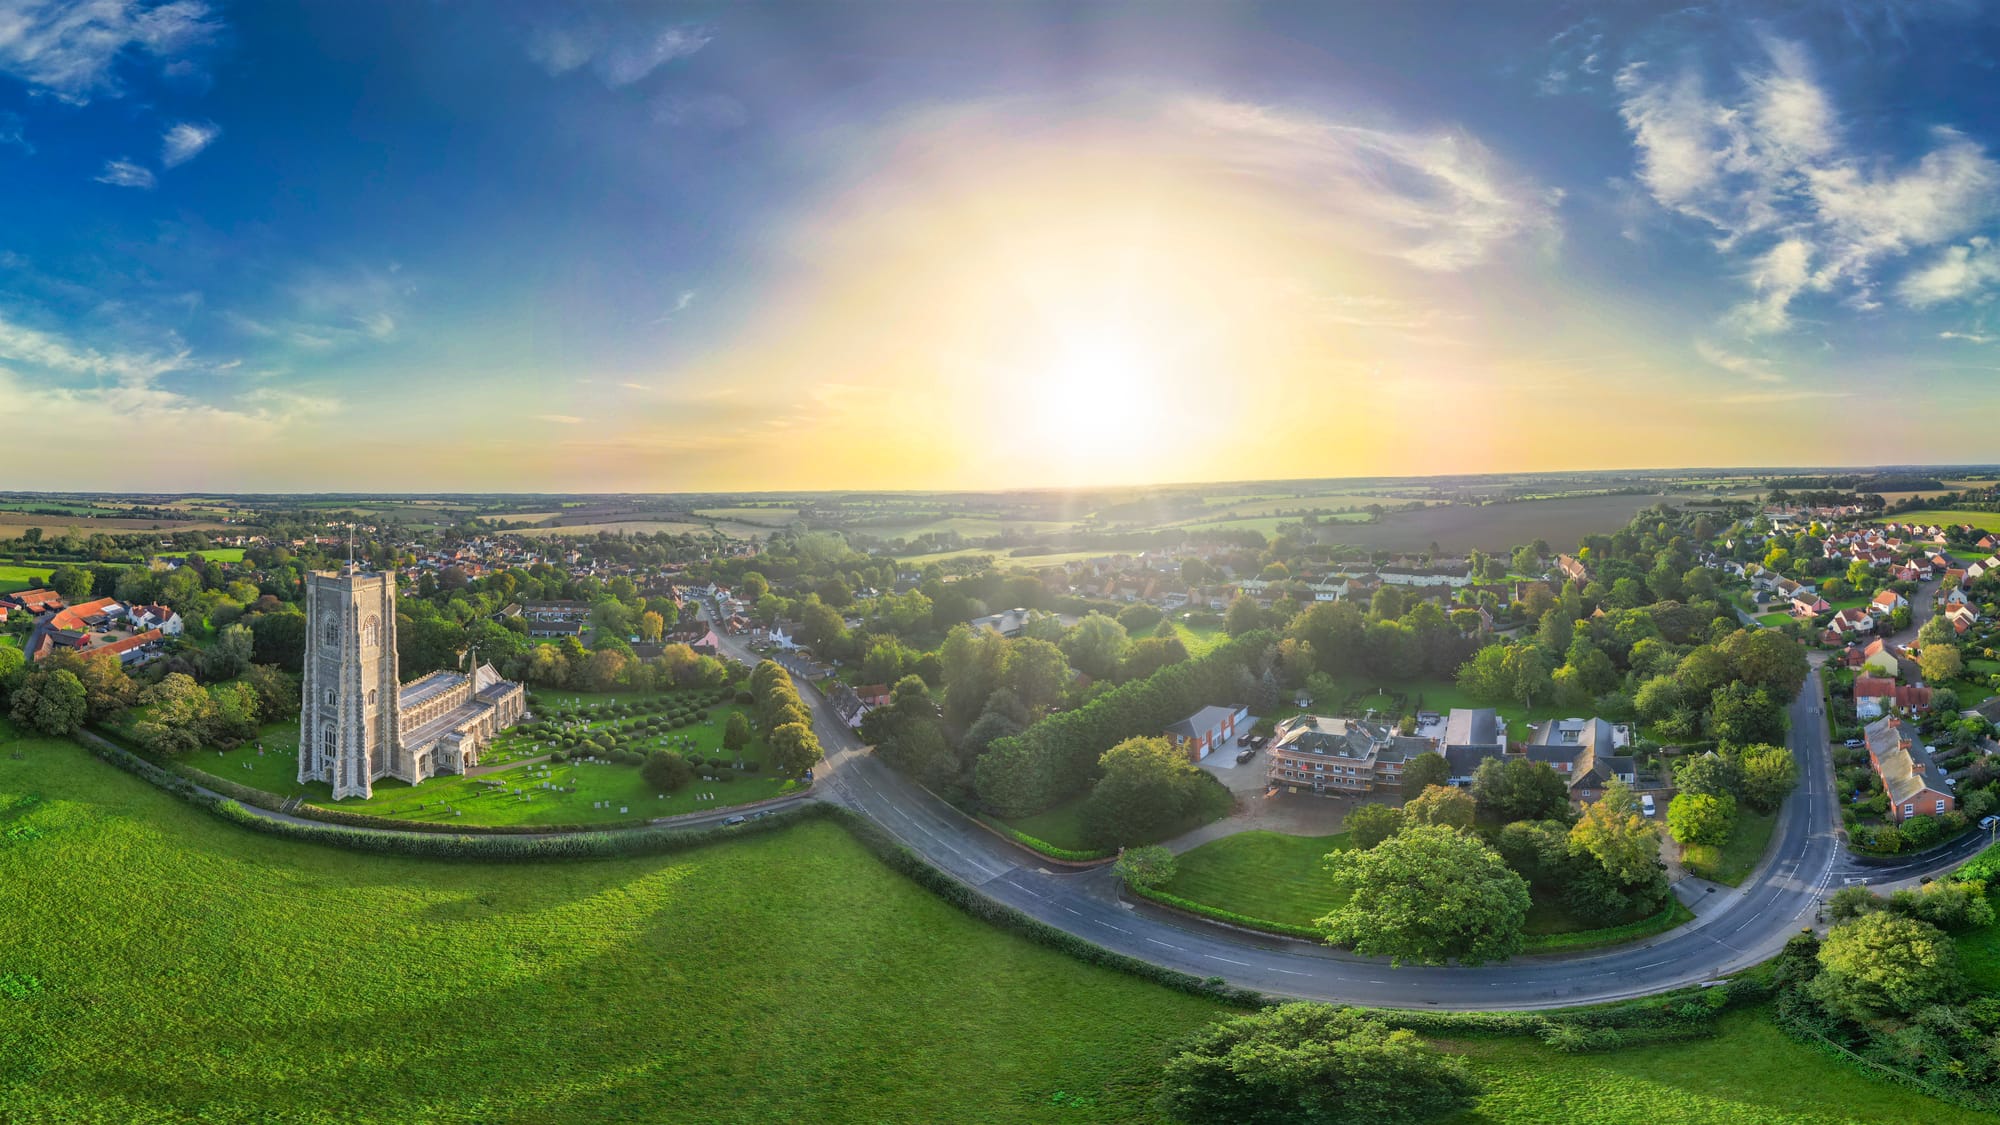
(1146,867)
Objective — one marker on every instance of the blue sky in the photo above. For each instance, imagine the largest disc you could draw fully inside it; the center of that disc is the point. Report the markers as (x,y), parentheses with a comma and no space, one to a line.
(659,247)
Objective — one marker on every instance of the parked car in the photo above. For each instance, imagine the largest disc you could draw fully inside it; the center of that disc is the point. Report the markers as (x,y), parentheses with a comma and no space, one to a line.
(1646,803)
(1243,756)
(1852,742)
(1243,739)
(736,820)
(1987,822)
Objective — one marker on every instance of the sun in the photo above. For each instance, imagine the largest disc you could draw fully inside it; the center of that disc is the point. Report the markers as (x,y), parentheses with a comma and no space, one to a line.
(1096,403)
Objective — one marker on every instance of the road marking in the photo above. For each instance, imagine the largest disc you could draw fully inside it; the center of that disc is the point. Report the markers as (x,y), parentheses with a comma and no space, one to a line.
(1109,926)
(1157,941)
(1288,972)
(1226,960)
(1074,911)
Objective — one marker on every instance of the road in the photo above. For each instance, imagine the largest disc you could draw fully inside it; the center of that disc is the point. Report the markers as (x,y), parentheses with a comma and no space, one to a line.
(1747,926)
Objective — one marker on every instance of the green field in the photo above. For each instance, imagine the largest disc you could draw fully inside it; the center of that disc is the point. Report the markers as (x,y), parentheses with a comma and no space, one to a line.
(1731,862)
(1266,875)
(721,985)
(212,554)
(1063,824)
(13,578)
(1984,521)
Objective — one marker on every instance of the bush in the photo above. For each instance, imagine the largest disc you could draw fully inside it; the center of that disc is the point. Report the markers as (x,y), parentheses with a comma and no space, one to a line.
(1145,867)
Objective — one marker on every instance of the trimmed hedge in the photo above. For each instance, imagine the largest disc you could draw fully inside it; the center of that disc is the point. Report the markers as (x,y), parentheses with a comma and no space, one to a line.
(1068,855)
(1983,868)
(1673,915)
(1688,1013)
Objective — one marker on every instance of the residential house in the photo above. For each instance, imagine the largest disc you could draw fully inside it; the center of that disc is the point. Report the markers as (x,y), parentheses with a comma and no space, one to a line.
(1851,621)
(1208,730)
(159,617)
(1912,779)
(845,702)
(34,601)
(1962,616)
(1875,696)
(1572,569)
(1470,736)
(1887,602)
(874,695)
(1808,606)
(1008,623)
(1585,752)
(1882,658)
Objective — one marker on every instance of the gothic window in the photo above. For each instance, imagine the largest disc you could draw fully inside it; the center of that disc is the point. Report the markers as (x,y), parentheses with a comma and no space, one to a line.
(326,741)
(371,701)
(332,631)
(329,697)
(371,631)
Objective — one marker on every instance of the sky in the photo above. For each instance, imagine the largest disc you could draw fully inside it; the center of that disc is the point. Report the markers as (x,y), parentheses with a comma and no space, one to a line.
(423,246)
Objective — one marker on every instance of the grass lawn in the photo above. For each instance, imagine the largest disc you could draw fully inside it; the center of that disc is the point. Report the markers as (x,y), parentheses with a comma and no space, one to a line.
(1749,1074)
(1200,641)
(213,554)
(15,578)
(1730,863)
(623,990)
(1979,956)
(1773,620)
(1443,695)
(1265,875)
(1063,824)
(536,992)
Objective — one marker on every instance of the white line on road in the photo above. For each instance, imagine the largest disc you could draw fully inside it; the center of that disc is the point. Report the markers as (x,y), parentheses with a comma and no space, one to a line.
(1109,926)
(1157,941)
(1288,972)
(1226,960)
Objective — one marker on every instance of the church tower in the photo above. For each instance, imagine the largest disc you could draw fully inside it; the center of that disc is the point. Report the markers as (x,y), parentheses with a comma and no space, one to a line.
(348,733)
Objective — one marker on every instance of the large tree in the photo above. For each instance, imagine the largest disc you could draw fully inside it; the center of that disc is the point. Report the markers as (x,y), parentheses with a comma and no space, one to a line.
(1428,894)
(1520,789)
(1097,646)
(1370,824)
(1701,818)
(1311,1064)
(794,749)
(52,701)
(1769,773)
(1622,839)
(1147,787)
(1883,964)
(1940,663)
(1441,804)
(1425,770)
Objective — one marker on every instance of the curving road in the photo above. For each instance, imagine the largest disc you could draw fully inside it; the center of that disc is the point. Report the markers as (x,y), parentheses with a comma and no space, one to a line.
(1732,929)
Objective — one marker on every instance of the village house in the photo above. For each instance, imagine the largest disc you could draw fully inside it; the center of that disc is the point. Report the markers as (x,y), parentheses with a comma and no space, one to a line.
(1875,696)
(1886,602)
(1340,757)
(1208,730)
(1913,781)
(1585,752)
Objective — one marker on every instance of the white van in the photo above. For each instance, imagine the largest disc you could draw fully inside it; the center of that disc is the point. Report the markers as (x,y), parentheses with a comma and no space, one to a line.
(1646,803)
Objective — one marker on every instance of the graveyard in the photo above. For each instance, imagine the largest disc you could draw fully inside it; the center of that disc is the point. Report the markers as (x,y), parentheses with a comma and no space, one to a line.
(574,762)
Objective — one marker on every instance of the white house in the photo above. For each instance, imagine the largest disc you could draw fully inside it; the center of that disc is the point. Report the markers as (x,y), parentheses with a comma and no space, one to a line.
(1887,602)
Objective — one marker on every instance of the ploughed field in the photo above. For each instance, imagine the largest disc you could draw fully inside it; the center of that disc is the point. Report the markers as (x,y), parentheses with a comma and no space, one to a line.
(160,965)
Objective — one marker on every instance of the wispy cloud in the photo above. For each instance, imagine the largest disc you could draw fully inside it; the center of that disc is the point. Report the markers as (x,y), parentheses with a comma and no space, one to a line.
(71,48)
(704,111)
(618,55)
(124,173)
(1438,200)
(560,419)
(1576,59)
(1753,368)
(1766,398)
(185,141)
(1770,171)
(52,353)
(12,133)
(1957,272)
(1968,337)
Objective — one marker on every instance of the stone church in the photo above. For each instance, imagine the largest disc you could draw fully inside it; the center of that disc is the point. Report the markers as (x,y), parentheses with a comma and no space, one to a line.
(358,723)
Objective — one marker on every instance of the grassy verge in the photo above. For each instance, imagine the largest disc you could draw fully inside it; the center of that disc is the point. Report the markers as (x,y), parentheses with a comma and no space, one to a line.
(1568,941)
(1060,831)
(1732,861)
(1260,876)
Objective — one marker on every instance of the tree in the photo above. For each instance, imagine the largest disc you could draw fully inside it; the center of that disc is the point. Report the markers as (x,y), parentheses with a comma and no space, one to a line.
(1940,663)
(603,670)
(1882,964)
(666,771)
(1622,839)
(794,749)
(752,586)
(736,732)
(1311,1064)
(72,582)
(1769,773)
(1145,867)
(1370,824)
(1700,818)
(1036,672)
(1441,805)
(1711,773)
(177,717)
(1425,770)
(1740,715)
(1147,787)
(1097,646)
(1520,789)
(651,627)
(52,701)
(1244,616)
(1427,894)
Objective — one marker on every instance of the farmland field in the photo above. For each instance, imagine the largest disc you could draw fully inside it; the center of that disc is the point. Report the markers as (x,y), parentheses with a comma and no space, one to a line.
(1984,521)
(13,578)
(629,527)
(1495,528)
(467,992)
(777,517)
(212,554)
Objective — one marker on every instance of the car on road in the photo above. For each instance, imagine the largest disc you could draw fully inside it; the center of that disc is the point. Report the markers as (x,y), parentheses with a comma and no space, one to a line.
(1987,822)
(735,820)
